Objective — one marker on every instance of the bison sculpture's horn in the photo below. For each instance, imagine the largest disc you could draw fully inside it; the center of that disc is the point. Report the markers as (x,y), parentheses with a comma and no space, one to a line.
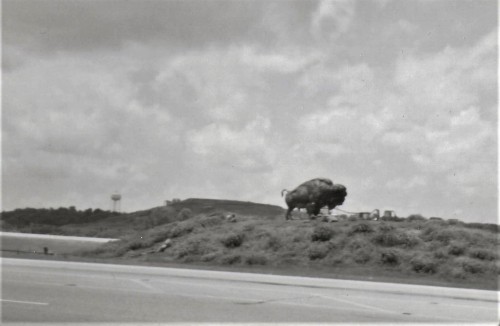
(283,191)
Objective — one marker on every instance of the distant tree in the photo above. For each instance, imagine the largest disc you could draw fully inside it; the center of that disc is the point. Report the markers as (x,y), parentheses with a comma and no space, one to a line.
(26,217)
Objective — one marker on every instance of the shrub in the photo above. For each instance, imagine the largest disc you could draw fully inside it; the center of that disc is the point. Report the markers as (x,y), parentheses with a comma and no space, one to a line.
(112,249)
(384,227)
(454,222)
(210,256)
(231,259)
(457,272)
(318,252)
(159,234)
(495,228)
(362,227)
(356,243)
(184,214)
(161,216)
(362,255)
(256,259)
(182,229)
(396,238)
(415,217)
(447,235)
(390,257)
(483,254)
(440,254)
(423,264)
(456,249)
(210,221)
(192,247)
(248,227)
(470,265)
(274,243)
(135,244)
(337,260)
(322,233)
(232,240)
(496,267)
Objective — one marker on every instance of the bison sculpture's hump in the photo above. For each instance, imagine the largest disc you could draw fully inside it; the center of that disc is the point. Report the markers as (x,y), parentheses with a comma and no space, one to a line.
(318,181)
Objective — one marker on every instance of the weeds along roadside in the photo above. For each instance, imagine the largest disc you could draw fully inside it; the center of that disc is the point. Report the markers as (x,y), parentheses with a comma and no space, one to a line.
(438,248)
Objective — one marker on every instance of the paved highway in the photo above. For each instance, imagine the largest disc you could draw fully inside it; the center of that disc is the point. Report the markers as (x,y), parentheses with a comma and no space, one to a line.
(54,291)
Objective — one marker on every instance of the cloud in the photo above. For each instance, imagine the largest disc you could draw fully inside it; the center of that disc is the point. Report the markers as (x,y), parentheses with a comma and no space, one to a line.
(455,125)
(240,100)
(461,74)
(86,126)
(245,149)
(332,18)
(407,184)
(348,115)
(431,116)
(288,62)
(446,100)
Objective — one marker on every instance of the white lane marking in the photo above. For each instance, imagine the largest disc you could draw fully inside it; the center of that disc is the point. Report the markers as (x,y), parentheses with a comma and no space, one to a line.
(358,304)
(25,302)
(239,300)
(72,277)
(283,300)
(68,273)
(146,285)
(395,312)
(473,305)
(82,286)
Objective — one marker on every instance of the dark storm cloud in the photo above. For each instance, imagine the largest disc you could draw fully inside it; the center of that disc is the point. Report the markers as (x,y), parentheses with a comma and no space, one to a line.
(53,25)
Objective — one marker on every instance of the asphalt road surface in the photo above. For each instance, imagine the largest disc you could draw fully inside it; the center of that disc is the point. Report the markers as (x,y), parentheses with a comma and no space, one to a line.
(54,291)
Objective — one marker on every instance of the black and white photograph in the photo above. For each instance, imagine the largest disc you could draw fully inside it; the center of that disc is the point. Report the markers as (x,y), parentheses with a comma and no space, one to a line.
(249,162)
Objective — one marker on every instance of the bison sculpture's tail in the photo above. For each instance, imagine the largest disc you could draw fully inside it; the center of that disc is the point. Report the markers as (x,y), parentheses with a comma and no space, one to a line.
(283,191)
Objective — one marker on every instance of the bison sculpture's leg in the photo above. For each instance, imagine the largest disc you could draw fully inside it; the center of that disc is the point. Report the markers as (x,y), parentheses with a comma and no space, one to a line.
(310,209)
(289,213)
(313,210)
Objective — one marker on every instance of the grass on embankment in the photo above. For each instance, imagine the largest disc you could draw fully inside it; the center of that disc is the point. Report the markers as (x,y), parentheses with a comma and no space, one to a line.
(416,251)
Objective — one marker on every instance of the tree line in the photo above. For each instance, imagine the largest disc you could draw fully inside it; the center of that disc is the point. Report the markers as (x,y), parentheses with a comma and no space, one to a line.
(23,217)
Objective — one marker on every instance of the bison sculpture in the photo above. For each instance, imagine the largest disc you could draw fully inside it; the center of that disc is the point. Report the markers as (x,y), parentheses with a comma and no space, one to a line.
(314,195)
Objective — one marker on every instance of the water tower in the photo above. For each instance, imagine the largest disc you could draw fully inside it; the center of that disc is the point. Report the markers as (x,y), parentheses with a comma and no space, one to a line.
(116,198)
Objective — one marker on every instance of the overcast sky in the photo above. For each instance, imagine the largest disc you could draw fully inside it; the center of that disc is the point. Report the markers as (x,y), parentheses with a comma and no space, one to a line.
(397,100)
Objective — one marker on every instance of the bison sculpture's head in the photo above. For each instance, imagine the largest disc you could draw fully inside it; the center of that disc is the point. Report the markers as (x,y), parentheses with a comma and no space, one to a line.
(337,197)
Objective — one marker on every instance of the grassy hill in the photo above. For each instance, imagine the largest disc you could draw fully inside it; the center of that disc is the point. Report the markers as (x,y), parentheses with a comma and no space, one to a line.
(98,223)
(198,232)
